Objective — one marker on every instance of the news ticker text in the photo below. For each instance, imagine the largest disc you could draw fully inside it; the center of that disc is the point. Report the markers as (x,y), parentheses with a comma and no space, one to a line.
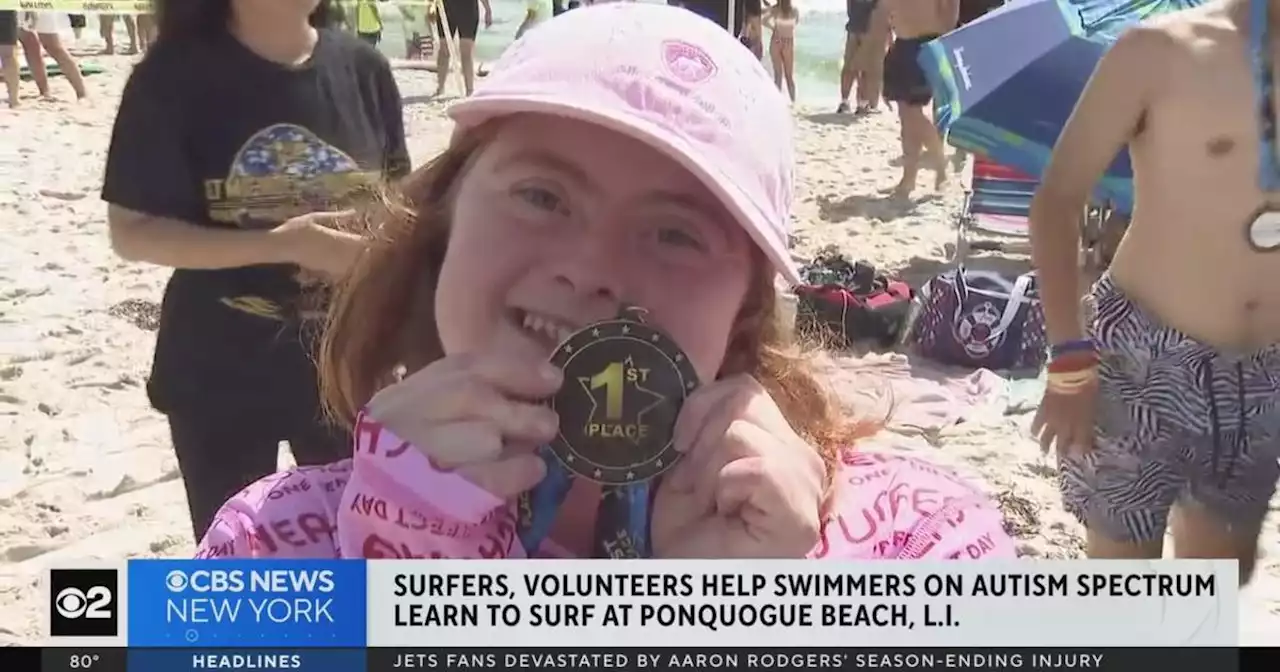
(83,659)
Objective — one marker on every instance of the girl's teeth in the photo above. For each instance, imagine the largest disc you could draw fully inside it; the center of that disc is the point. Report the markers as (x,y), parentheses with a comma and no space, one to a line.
(542,326)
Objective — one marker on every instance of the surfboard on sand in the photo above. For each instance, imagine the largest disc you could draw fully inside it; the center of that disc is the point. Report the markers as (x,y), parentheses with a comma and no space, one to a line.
(55,71)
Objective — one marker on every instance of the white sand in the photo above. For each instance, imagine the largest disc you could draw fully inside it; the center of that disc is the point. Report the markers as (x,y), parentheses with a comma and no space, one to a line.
(86,470)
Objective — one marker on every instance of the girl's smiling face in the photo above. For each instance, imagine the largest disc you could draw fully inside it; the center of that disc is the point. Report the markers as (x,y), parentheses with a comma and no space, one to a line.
(558,223)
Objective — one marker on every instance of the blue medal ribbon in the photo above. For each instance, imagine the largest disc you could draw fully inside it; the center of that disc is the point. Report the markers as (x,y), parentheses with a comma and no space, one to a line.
(622,523)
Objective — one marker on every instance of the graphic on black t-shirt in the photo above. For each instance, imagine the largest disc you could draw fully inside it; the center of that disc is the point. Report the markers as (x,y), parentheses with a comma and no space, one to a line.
(282,171)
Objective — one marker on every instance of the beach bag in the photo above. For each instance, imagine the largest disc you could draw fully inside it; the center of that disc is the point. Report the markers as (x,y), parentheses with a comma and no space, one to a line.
(845,302)
(981,320)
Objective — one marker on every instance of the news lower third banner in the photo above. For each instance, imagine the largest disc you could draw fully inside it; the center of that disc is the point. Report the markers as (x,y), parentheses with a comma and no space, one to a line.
(706,658)
(176,615)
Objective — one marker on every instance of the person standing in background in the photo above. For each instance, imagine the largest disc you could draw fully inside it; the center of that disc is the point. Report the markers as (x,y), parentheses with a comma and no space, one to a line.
(915,22)
(107,28)
(751,34)
(42,37)
(146,24)
(866,38)
(781,19)
(9,53)
(238,135)
(464,23)
(368,21)
(77,25)
(418,39)
(535,11)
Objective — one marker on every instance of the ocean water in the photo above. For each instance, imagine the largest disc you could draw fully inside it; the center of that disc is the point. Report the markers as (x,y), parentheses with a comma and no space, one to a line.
(819,44)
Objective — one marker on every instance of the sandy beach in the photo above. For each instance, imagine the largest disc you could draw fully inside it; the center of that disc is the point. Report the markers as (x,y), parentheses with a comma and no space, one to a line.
(86,469)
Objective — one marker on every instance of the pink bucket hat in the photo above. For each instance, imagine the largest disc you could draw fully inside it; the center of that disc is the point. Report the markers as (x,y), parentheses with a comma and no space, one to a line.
(671,79)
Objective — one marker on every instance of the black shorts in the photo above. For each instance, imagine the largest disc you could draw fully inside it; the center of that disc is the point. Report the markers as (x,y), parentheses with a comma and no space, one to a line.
(77,20)
(464,19)
(904,80)
(8,28)
(972,10)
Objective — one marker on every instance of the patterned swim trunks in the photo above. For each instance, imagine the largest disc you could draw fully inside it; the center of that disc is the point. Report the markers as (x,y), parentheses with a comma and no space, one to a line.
(1176,420)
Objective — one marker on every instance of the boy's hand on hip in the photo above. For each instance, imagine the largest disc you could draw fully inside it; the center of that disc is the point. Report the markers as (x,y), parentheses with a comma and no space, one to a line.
(1065,422)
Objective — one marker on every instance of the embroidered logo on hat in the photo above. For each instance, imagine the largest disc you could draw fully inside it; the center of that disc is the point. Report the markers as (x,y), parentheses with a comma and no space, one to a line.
(687,62)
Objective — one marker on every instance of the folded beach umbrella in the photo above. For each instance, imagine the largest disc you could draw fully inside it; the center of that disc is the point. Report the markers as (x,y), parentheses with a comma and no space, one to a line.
(1005,84)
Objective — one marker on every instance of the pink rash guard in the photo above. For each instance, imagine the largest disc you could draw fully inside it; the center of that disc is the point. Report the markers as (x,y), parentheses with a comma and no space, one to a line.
(389,501)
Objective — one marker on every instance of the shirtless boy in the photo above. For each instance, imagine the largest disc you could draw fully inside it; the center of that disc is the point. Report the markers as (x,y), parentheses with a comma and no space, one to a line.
(915,22)
(1167,400)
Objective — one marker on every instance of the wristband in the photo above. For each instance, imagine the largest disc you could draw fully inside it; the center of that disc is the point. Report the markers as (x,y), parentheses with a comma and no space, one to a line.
(1078,345)
(1082,378)
(1066,390)
(1070,364)
(1071,382)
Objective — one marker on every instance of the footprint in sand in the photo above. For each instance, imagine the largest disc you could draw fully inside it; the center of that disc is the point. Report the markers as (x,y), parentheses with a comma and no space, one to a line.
(23,552)
(61,195)
(982,458)
(1040,470)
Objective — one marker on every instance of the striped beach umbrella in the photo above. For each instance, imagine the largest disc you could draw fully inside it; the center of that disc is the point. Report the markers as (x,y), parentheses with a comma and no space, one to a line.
(1005,84)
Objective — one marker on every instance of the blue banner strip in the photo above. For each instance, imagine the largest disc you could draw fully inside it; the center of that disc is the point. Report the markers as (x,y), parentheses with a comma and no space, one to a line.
(238,603)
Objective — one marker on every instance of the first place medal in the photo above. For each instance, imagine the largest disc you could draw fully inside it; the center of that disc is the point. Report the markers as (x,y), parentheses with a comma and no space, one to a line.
(624,385)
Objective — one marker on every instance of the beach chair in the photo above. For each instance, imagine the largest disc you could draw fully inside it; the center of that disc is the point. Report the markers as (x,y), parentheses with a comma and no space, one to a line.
(997,206)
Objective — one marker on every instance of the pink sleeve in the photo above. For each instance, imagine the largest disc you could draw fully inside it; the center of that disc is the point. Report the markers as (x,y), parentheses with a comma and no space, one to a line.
(890,507)
(399,505)
(286,515)
(388,501)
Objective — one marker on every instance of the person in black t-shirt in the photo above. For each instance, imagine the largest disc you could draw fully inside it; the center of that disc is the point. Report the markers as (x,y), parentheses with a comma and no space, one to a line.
(239,124)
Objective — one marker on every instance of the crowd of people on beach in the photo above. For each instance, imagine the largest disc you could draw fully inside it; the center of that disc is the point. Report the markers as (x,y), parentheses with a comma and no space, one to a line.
(393,323)
(39,34)
(882,41)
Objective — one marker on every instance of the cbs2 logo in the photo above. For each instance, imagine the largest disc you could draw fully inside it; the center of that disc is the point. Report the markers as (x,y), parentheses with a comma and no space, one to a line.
(75,603)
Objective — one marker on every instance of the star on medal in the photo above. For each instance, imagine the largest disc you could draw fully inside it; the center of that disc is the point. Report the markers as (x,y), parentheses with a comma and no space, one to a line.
(635,394)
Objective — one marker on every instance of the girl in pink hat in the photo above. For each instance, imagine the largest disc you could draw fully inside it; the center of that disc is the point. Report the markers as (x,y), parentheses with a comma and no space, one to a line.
(583,178)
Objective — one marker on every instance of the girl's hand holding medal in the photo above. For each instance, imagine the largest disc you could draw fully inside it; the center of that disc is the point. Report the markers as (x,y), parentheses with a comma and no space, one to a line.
(468,413)
(748,485)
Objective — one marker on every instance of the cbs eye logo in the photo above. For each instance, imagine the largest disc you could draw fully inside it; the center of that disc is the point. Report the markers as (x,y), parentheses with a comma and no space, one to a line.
(82,603)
